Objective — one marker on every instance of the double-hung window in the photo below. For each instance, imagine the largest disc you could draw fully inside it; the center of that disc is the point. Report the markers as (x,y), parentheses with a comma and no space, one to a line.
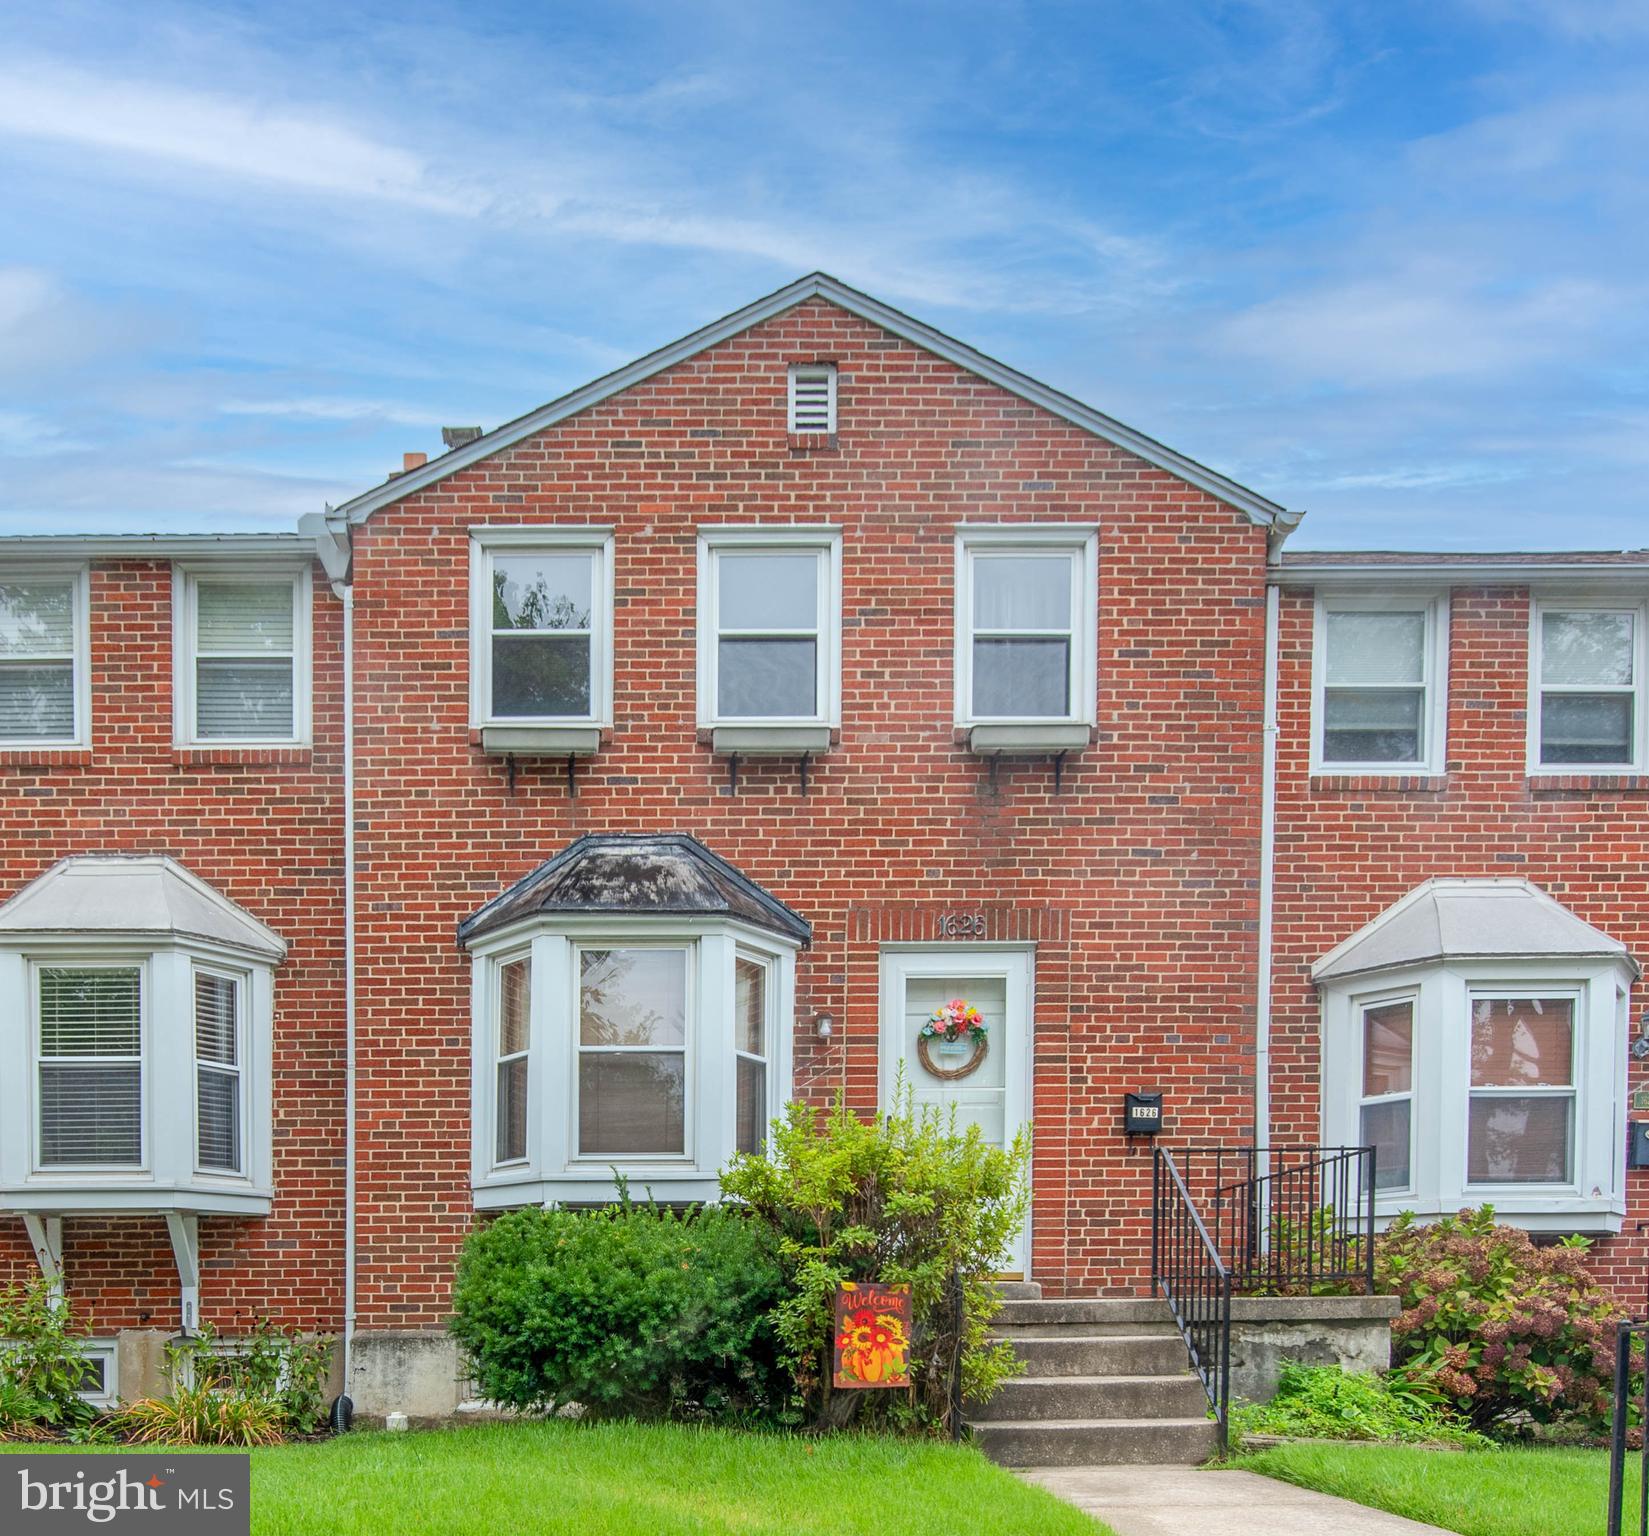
(1520,1127)
(243,658)
(220,1051)
(752,997)
(769,626)
(1026,624)
(1587,667)
(633,1051)
(1379,685)
(44,690)
(1386,1106)
(90,1061)
(540,626)
(514,1009)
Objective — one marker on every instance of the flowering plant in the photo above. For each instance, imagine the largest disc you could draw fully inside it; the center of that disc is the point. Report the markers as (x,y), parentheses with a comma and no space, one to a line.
(955,1020)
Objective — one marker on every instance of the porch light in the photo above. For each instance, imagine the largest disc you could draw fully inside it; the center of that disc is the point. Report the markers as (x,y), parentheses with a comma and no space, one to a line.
(824,1025)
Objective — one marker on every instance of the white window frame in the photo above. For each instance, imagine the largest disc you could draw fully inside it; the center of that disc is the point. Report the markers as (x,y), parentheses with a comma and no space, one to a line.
(186,580)
(108,1352)
(1365,1006)
(1489,992)
(795,371)
(38,1059)
(1595,1198)
(1080,543)
(243,996)
(1434,711)
(500,1058)
(484,544)
(1539,606)
(769,968)
(554,1171)
(824,542)
(79,578)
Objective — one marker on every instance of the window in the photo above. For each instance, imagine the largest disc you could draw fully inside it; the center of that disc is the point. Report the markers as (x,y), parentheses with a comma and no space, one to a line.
(1587,667)
(540,626)
(91,1066)
(218,1071)
(243,674)
(99,1385)
(1027,624)
(1522,1090)
(44,688)
(750,1036)
(813,398)
(514,1036)
(769,625)
(632,1053)
(1386,1110)
(1379,685)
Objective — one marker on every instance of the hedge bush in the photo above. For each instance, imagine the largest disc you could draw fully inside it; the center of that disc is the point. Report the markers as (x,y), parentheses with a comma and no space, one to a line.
(629,1311)
(43,1363)
(906,1197)
(1519,1334)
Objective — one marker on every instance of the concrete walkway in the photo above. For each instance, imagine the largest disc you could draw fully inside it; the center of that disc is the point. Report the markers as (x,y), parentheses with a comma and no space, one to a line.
(1181,1501)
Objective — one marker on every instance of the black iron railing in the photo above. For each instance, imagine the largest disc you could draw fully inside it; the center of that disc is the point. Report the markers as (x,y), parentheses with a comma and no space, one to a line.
(1188,1272)
(1287,1221)
(1628,1336)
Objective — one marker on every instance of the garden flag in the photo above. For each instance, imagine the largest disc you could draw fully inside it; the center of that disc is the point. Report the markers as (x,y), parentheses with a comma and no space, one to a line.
(872,1335)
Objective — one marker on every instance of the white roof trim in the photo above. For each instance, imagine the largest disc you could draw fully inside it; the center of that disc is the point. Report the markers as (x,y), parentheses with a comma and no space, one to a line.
(96,896)
(1257,508)
(1456,919)
(157,546)
(1462,573)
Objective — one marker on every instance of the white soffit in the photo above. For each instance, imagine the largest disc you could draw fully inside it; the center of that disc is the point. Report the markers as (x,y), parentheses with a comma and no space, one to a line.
(147,895)
(1463,919)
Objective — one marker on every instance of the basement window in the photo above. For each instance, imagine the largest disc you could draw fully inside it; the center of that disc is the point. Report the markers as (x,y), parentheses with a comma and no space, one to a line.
(813,398)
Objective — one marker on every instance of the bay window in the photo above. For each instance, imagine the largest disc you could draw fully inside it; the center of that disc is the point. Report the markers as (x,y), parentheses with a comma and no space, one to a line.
(1379,673)
(1586,671)
(219,1064)
(751,1036)
(1386,1108)
(514,994)
(632,1052)
(90,1061)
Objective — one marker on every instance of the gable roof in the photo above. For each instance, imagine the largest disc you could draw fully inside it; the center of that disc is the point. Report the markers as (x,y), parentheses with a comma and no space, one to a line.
(638,874)
(148,895)
(1466,919)
(821,285)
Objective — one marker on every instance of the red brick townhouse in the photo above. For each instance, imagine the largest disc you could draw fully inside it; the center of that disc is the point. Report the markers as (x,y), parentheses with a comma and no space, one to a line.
(567,803)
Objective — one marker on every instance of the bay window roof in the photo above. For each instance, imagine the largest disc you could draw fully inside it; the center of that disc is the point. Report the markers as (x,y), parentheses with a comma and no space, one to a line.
(94,896)
(1457,919)
(637,874)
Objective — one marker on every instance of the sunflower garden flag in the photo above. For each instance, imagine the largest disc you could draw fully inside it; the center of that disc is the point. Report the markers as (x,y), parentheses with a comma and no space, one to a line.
(872,1335)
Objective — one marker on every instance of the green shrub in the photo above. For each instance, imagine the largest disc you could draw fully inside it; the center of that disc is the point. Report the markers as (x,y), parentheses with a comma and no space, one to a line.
(202,1414)
(43,1363)
(902,1198)
(632,1310)
(1517,1334)
(1322,1402)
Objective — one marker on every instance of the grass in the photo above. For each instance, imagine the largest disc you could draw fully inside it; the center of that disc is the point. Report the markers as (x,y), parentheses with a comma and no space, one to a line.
(1505,1492)
(543,1479)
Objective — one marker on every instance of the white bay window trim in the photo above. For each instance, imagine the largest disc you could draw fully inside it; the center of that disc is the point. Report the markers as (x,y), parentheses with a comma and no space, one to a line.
(1079,544)
(554,1169)
(1637,690)
(187,581)
(488,543)
(77,655)
(1432,759)
(1593,1198)
(823,542)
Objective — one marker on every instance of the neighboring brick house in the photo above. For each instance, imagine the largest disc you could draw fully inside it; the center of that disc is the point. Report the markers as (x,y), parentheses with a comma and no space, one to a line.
(708,727)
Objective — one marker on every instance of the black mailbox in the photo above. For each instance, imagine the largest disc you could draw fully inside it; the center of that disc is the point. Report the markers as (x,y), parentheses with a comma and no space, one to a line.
(1141,1114)
(1637,1145)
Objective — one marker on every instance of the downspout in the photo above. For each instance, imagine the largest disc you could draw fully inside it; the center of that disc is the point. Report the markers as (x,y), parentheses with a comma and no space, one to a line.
(1268,858)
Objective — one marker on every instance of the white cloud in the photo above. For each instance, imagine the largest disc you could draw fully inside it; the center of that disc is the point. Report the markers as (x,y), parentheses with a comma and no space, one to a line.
(1589,20)
(333,408)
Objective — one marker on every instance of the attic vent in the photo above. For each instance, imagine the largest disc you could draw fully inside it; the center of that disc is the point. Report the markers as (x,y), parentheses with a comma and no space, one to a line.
(813,398)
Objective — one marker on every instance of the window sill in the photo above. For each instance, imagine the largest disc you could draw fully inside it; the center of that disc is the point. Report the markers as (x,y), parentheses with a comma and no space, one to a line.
(812,442)
(1535,1213)
(540,740)
(1028,740)
(1588,783)
(1379,783)
(248,756)
(45,757)
(86,1194)
(669,1186)
(769,740)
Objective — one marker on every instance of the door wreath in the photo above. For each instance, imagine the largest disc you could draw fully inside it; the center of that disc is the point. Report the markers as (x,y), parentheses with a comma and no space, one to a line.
(950,1023)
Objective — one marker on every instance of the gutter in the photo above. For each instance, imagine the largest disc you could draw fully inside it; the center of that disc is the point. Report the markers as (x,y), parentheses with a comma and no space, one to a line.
(1268,859)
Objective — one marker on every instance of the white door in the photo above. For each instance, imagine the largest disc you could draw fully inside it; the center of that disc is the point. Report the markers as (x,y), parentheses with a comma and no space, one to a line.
(995,1094)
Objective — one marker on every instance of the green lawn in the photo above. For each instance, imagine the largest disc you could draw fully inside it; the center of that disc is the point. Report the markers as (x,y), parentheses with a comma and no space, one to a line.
(1508,1492)
(630,1480)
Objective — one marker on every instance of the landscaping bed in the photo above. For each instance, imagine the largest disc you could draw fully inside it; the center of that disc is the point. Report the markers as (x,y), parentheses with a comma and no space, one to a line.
(622,1479)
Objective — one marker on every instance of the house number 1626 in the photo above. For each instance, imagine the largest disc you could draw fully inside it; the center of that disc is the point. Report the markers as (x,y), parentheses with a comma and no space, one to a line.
(961,925)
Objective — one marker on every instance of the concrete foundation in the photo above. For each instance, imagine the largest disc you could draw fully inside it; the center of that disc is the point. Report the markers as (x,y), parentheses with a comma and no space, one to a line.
(1353,1332)
(415,1373)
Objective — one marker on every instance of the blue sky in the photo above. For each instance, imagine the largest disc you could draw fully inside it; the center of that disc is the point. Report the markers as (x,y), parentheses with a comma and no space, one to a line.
(1380,260)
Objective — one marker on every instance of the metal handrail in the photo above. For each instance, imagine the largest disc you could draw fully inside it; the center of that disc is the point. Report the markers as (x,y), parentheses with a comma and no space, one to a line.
(1186,1268)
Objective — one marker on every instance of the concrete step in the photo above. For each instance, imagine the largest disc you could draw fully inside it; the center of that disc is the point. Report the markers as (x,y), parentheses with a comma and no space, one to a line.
(1177,1396)
(1126,1310)
(1090,1354)
(1020,1290)
(1096,1442)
